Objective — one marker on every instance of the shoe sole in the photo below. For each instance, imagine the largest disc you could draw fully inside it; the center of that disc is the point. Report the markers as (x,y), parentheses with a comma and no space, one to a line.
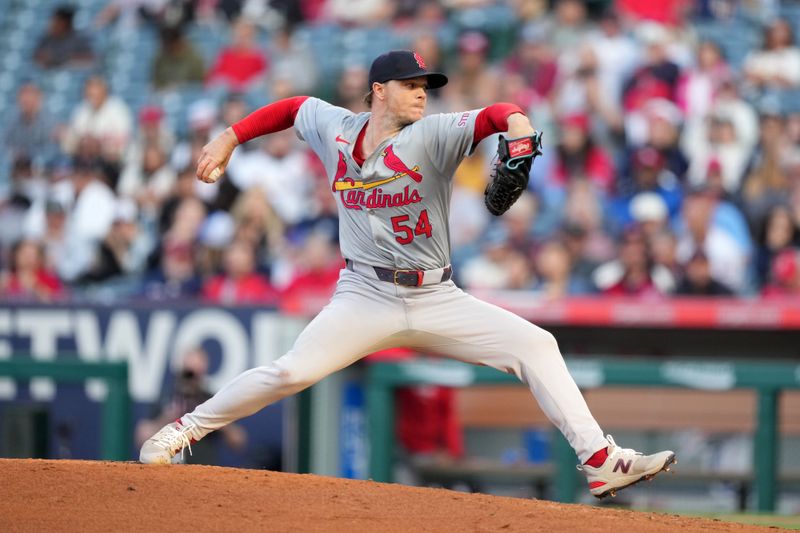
(647,477)
(157,461)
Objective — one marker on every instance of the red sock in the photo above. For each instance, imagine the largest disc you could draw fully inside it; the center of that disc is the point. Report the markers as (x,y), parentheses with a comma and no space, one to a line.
(598,458)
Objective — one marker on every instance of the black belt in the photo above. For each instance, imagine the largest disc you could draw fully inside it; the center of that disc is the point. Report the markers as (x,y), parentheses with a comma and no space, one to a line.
(407,278)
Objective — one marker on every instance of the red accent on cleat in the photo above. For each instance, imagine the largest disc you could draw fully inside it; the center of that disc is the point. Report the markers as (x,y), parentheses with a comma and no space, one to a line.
(599,457)
(595,484)
(180,423)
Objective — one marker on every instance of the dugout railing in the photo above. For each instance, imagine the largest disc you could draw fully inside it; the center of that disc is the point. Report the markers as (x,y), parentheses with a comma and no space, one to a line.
(115,433)
(767,379)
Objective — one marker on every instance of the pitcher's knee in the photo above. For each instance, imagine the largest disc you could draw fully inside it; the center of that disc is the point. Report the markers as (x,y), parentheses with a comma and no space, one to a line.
(286,377)
(549,342)
(540,341)
(537,346)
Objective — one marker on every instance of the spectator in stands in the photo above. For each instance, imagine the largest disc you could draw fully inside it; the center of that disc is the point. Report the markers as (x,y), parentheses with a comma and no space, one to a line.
(124,250)
(779,232)
(62,45)
(569,25)
(498,266)
(184,189)
(241,64)
(722,150)
(699,85)
(700,230)
(698,281)
(30,133)
(767,183)
(102,116)
(656,77)
(584,208)
(554,272)
(20,204)
(473,83)
(584,256)
(350,88)
(634,273)
(174,275)
(616,52)
(649,211)
(150,184)
(279,169)
(152,130)
(258,223)
(580,158)
(216,233)
(89,218)
(730,102)
(534,61)
(239,283)
(578,90)
(662,123)
(316,270)
(27,186)
(177,62)
(48,226)
(292,60)
(516,226)
(785,275)
(777,64)
(649,175)
(189,389)
(663,248)
(27,277)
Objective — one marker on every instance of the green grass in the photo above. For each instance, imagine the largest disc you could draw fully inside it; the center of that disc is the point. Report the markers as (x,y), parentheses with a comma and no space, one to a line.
(754,519)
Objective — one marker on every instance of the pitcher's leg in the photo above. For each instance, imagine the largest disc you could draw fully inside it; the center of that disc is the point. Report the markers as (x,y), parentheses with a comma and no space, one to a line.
(462,327)
(356,322)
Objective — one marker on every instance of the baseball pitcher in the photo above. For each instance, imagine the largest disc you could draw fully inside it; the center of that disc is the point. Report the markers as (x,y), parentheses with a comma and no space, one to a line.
(391,171)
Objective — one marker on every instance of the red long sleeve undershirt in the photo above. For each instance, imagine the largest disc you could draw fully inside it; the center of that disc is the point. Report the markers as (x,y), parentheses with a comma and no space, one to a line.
(273,117)
(280,115)
(493,119)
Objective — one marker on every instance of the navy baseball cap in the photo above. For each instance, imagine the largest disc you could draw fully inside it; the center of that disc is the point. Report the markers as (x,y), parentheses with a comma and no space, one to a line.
(403,65)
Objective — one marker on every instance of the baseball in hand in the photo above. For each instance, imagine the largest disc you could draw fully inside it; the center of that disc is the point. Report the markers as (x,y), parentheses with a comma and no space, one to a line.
(215,174)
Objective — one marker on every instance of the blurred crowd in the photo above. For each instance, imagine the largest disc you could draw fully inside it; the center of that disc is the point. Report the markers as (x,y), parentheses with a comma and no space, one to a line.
(669,168)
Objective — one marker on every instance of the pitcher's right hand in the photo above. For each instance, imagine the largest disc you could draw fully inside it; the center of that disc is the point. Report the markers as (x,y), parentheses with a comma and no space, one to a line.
(215,156)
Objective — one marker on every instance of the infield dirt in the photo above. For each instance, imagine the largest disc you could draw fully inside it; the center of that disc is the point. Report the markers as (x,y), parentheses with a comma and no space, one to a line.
(39,495)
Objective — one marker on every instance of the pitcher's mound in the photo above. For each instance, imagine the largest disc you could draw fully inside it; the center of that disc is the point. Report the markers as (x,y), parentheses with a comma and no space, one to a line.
(38,495)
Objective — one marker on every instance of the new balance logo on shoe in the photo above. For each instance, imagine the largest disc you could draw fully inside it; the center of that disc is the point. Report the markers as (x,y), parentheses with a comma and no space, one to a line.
(623,465)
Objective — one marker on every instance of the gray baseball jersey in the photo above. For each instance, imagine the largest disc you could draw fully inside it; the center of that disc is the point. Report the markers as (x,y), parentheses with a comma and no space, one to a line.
(393,211)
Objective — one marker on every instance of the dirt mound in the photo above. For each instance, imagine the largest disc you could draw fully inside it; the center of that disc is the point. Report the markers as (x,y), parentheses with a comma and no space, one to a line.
(38,495)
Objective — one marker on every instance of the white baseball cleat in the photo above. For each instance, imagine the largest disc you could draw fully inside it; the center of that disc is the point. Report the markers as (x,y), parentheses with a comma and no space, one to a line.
(624,467)
(164,445)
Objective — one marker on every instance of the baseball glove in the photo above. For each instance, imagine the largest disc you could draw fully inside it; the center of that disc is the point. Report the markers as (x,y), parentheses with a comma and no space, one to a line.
(510,175)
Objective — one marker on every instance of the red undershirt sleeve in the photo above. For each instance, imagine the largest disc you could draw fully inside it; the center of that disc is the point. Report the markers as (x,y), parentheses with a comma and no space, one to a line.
(273,117)
(493,119)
